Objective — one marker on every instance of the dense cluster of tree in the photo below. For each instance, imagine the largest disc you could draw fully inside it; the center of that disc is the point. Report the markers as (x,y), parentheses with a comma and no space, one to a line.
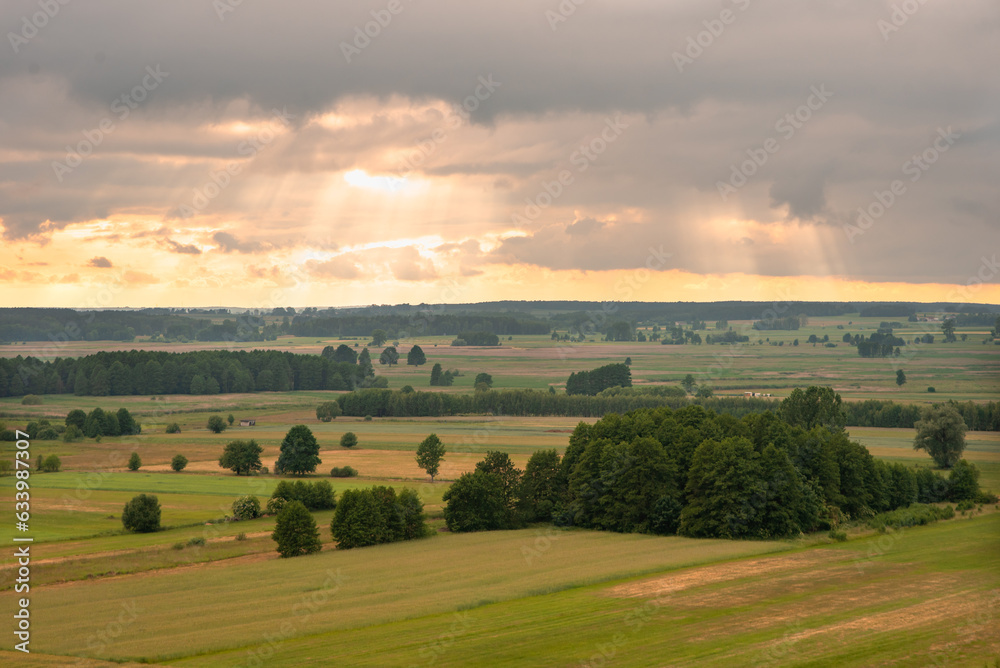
(99,422)
(200,372)
(377,515)
(594,381)
(790,322)
(879,344)
(698,473)
(476,338)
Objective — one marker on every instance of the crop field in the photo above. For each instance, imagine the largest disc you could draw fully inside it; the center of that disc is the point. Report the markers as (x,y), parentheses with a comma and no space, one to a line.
(204,591)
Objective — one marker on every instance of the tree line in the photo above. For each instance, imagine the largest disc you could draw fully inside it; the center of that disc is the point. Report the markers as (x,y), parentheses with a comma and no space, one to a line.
(63,324)
(400,325)
(200,372)
(526,403)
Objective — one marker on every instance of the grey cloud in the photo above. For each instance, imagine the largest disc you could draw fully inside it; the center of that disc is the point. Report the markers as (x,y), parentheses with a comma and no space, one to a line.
(230,244)
(184,249)
(100,263)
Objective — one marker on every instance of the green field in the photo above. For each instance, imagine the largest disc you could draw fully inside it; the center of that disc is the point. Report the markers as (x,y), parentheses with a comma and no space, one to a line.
(206,592)
(962,370)
(556,597)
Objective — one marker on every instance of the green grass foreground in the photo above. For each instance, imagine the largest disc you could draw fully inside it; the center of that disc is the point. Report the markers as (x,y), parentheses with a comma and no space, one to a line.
(923,596)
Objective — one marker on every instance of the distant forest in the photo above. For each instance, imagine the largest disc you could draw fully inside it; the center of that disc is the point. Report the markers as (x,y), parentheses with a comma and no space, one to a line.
(505,318)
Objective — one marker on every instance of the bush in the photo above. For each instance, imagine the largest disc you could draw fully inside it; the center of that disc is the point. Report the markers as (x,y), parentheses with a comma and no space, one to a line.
(216,424)
(72,433)
(142,514)
(838,536)
(344,472)
(51,464)
(348,440)
(368,418)
(173,428)
(917,514)
(178,463)
(134,462)
(275,504)
(965,505)
(246,508)
(295,531)
(241,536)
(31,400)
(199,541)
(931,389)
(314,496)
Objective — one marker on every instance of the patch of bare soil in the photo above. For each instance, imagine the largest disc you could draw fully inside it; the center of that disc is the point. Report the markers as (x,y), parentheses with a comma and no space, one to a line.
(707,575)
(951,607)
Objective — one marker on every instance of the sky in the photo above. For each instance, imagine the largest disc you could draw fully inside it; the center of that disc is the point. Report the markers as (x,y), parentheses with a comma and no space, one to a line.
(256,154)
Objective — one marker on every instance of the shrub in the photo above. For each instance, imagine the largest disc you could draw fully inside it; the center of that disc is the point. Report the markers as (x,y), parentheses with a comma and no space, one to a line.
(178,463)
(275,504)
(31,400)
(47,434)
(241,536)
(916,514)
(343,472)
(967,504)
(368,418)
(348,440)
(72,433)
(931,389)
(216,424)
(314,496)
(142,514)
(178,546)
(51,464)
(246,508)
(198,540)
(134,462)
(173,428)
(295,531)
(838,536)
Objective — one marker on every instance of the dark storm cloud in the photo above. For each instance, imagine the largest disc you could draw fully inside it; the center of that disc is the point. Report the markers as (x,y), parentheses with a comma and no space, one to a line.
(891,90)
